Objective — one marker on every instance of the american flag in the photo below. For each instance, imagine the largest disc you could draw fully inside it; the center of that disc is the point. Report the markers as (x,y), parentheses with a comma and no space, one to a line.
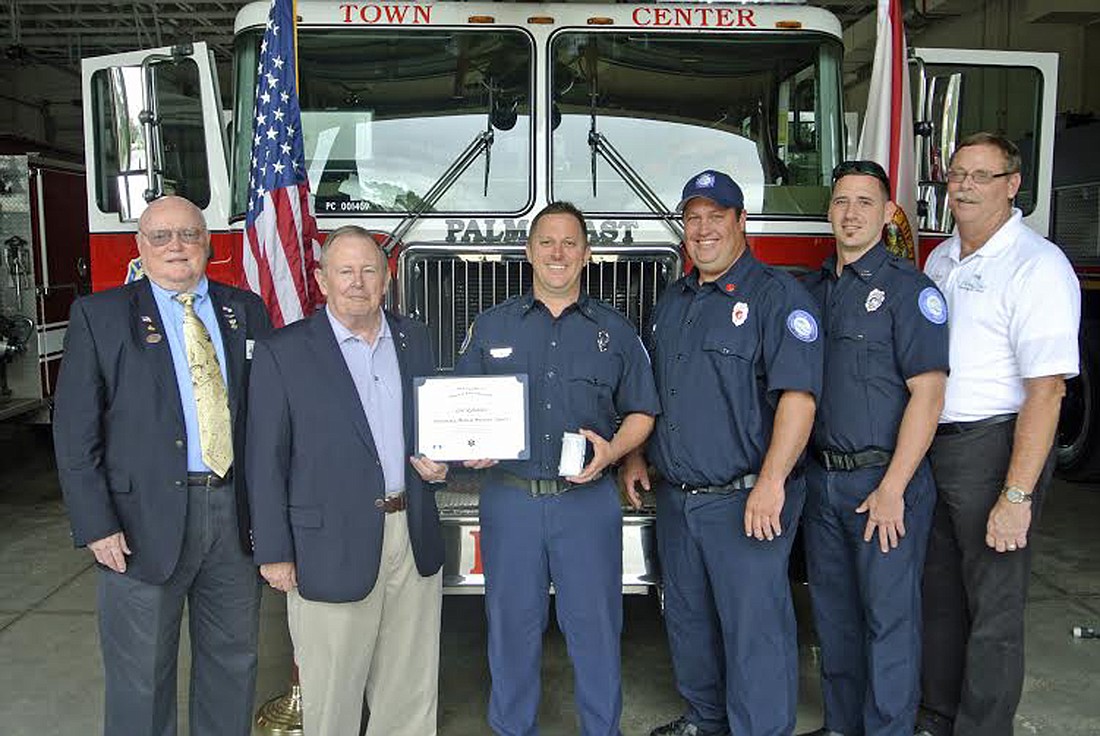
(281,243)
(888,128)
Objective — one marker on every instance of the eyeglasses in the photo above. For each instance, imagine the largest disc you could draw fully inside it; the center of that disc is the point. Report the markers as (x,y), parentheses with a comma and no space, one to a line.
(187,235)
(866,168)
(980,177)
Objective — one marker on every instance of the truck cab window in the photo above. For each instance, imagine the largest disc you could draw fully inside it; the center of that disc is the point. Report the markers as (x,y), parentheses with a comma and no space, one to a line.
(385,114)
(120,146)
(765,109)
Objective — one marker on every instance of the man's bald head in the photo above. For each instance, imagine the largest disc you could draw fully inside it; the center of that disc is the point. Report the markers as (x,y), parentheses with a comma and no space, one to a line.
(173,243)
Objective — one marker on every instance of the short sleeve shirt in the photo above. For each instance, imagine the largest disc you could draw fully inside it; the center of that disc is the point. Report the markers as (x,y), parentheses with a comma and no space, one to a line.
(885,322)
(586,368)
(1015,306)
(723,353)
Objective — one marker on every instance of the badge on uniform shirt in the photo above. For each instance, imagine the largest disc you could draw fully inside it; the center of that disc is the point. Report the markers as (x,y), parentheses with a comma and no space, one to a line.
(932,305)
(802,325)
(740,313)
(249,346)
(500,352)
(875,300)
(603,340)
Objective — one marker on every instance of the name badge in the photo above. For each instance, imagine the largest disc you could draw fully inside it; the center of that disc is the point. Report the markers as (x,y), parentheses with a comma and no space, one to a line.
(249,346)
(500,352)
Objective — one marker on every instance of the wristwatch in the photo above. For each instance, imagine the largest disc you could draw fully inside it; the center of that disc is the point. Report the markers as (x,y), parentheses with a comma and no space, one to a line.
(1015,494)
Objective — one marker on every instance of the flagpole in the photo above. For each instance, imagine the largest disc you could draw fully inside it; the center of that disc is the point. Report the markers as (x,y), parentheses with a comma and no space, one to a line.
(282,715)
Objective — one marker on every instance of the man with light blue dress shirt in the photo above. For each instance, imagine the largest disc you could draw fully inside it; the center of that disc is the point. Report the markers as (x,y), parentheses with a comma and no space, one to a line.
(344,520)
(148,426)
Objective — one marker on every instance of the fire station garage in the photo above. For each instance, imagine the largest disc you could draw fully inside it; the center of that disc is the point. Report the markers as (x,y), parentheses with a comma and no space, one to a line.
(440,129)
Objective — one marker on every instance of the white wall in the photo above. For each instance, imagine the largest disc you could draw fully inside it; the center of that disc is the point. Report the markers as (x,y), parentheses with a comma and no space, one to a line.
(41,103)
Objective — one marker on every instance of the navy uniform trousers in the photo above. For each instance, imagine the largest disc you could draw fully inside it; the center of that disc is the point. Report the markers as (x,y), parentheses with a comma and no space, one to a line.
(866,604)
(575,538)
(727,592)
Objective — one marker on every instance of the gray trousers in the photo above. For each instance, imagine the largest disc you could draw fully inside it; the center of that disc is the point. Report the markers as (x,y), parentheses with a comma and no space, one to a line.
(972,670)
(139,630)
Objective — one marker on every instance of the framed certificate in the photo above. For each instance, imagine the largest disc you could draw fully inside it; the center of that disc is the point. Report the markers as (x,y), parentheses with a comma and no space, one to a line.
(472,417)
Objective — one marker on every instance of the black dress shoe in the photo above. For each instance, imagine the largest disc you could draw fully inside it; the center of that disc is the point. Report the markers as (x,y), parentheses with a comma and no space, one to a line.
(682,727)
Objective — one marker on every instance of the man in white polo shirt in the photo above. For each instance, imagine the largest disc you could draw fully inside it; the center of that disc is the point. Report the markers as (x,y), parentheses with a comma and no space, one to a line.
(1014,305)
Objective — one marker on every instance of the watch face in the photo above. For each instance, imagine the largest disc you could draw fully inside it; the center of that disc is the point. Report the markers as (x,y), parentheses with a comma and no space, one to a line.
(1015,495)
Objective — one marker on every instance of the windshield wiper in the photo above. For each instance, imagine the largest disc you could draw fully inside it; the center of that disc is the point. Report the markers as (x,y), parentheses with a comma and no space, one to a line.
(601,147)
(482,142)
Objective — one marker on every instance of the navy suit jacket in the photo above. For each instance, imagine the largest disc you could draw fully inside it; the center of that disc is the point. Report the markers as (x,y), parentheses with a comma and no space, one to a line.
(118,426)
(313,467)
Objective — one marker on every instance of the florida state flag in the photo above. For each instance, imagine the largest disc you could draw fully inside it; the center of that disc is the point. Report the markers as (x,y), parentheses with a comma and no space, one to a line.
(887,135)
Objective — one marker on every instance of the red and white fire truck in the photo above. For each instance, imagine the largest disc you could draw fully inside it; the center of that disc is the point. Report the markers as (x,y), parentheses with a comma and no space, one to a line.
(447,125)
(43,267)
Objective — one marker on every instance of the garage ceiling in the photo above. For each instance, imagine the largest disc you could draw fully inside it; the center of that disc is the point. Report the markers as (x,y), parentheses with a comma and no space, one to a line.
(61,33)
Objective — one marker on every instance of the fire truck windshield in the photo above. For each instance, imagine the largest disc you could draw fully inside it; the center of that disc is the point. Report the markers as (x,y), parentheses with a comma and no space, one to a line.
(767,109)
(384,114)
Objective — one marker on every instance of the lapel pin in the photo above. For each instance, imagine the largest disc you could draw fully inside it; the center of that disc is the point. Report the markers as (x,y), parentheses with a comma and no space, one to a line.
(153,339)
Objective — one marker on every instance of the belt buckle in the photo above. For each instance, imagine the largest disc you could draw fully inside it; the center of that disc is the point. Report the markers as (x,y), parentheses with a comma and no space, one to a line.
(547,487)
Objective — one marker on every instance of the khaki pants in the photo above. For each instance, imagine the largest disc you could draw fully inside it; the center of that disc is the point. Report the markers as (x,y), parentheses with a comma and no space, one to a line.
(386,645)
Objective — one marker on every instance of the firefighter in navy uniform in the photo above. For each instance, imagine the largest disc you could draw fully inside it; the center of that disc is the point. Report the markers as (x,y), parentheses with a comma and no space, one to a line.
(586,369)
(737,355)
(870,493)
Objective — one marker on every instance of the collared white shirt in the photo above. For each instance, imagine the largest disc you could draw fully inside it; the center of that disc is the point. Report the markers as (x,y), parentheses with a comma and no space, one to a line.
(1014,307)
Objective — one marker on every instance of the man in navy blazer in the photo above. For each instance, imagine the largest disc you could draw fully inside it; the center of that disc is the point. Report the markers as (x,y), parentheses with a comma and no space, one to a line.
(342,517)
(163,527)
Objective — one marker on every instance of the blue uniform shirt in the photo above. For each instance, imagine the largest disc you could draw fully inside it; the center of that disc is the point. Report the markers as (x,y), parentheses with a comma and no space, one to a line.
(586,368)
(171,316)
(885,322)
(723,353)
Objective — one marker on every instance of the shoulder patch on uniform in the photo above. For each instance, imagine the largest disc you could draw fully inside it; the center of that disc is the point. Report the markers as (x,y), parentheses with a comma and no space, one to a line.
(802,325)
(932,305)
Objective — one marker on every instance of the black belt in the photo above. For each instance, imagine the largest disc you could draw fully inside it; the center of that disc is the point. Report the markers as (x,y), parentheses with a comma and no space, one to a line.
(744,483)
(538,487)
(209,480)
(871,458)
(961,427)
(392,503)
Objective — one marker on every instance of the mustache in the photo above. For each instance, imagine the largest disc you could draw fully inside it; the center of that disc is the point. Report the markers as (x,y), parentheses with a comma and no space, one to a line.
(967,199)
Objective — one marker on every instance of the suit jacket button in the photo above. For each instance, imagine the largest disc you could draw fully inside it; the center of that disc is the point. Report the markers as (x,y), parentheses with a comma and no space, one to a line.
(179,483)
(179,443)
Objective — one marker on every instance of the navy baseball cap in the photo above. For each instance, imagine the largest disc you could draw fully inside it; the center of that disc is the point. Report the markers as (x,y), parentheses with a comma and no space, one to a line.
(715,186)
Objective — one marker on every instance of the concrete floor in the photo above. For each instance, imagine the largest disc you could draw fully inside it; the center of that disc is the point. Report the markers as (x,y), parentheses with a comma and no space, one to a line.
(51,680)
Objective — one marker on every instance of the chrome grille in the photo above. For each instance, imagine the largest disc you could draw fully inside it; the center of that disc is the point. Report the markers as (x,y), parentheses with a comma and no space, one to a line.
(447,287)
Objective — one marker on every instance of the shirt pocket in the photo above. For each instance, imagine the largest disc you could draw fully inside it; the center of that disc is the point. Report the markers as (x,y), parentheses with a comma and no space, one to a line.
(848,357)
(502,359)
(591,386)
(724,344)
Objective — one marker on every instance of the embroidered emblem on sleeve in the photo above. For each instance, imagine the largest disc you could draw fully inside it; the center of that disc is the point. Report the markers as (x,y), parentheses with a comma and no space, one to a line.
(932,305)
(802,325)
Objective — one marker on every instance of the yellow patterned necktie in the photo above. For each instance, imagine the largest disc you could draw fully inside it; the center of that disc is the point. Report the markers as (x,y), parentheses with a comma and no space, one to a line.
(211,398)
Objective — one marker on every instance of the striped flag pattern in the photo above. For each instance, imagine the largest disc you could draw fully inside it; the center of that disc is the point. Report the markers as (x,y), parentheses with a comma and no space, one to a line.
(887,135)
(281,243)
